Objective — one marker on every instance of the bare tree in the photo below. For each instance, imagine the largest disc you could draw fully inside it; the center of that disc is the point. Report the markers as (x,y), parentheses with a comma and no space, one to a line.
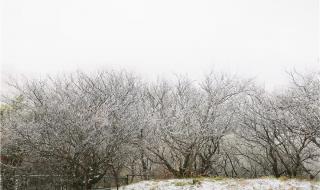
(77,124)
(190,122)
(268,131)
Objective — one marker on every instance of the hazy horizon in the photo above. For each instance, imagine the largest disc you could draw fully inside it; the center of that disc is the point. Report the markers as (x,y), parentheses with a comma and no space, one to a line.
(261,38)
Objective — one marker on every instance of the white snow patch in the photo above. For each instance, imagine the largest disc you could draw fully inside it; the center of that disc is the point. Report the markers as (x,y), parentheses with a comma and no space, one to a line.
(226,184)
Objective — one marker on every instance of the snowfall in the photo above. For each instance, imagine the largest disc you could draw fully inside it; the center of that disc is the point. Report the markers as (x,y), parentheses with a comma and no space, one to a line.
(224,184)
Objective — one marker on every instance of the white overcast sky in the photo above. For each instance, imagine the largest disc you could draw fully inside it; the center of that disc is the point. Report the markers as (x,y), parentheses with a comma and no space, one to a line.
(253,38)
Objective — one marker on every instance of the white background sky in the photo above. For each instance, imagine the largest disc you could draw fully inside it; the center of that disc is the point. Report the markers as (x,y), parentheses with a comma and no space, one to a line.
(253,38)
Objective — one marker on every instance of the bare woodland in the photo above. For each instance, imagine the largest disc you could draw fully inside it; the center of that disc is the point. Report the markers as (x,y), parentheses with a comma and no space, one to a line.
(85,126)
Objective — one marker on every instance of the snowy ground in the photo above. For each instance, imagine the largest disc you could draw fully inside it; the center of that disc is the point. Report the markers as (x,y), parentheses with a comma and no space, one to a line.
(224,184)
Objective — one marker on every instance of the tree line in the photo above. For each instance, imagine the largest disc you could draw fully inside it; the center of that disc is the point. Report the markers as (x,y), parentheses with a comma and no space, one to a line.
(111,123)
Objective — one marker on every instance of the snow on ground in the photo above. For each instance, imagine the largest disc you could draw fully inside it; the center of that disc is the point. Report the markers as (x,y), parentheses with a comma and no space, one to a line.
(224,184)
